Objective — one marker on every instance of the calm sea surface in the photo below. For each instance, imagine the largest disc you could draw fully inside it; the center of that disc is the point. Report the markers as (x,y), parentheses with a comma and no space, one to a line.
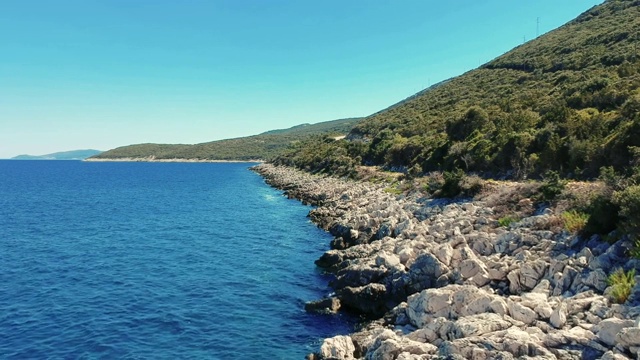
(155,260)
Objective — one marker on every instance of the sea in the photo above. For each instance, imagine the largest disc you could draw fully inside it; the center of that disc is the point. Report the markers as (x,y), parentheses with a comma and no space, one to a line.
(156,261)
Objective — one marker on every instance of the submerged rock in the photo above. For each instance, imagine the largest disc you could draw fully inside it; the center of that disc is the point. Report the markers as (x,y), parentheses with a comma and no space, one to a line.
(323,306)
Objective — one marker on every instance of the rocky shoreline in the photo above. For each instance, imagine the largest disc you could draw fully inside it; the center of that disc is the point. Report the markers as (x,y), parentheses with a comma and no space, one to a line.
(441,279)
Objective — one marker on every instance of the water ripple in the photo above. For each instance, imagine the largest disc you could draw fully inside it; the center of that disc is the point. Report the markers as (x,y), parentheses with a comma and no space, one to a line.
(162,261)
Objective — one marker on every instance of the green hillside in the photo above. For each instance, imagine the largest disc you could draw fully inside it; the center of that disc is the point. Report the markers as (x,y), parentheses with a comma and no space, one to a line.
(262,146)
(567,101)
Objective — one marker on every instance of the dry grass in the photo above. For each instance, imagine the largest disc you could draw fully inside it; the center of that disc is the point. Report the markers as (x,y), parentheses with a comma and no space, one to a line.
(508,198)
(578,195)
(376,174)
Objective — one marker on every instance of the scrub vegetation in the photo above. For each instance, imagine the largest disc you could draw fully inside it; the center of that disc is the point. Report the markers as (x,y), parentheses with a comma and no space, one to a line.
(566,102)
(622,283)
(562,108)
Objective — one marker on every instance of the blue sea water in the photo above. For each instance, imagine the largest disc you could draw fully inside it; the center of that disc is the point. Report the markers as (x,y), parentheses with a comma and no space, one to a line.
(155,261)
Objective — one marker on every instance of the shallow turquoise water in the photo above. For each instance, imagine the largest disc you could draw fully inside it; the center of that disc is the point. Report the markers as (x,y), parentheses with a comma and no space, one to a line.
(155,260)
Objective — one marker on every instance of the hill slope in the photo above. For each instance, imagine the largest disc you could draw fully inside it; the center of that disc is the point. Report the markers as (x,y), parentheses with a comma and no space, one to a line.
(262,146)
(63,155)
(566,101)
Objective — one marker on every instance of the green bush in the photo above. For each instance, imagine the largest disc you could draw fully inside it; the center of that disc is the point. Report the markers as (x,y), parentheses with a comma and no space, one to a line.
(432,182)
(393,190)
(603,215)
(471,185)
(552,186)
(574,221)
(451,186)
(622,283)
(629,202)
(507,220)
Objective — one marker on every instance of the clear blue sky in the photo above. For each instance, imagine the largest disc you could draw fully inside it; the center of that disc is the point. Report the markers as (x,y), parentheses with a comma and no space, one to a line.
(99,74)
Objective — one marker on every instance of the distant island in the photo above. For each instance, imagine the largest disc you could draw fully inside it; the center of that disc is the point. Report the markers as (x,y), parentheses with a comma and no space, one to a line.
(250,148)
(63,155)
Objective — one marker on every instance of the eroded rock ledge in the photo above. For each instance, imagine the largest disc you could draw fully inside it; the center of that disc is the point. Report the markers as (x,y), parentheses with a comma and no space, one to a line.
(441,280)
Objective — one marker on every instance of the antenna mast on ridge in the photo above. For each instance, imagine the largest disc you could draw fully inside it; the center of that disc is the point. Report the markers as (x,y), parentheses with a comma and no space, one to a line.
(537,26)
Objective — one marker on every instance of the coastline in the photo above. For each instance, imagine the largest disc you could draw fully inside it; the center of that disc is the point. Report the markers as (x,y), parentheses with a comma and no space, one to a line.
(441,279)
(153,159)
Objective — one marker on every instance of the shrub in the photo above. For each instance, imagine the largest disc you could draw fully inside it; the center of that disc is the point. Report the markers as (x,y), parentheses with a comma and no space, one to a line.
(603,215)
(554,223)
(622,283)
(629,202)
(610,178)
(434,182)
(398,188)
(552,186)
(451,186)
(574,221)
(471,185)
(393,190)
(635,250)
(505,221)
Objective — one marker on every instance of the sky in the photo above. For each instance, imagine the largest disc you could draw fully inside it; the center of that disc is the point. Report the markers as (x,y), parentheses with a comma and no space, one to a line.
(98,74)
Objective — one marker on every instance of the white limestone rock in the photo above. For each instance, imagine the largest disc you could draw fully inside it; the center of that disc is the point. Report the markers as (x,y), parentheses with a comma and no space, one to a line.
(610,355)
(428,304)
(521,313)
(338,347)
(629,337)
(387,260)
(444,253)
(559,316)
(608,329)
(480,324)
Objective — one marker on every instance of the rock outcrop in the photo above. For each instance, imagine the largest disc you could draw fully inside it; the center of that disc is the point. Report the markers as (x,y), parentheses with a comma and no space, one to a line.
(446,282)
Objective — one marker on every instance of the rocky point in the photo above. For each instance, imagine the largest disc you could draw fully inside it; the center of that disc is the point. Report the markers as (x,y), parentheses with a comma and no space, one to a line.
(441,279)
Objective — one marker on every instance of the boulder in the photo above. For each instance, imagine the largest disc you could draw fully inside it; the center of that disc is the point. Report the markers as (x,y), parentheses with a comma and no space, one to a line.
(559,316)
(337,347)
(388,349)
(385,230)
(608,329)
(429,304)
(575,335)
(425,271)
(389,346)
(480,324)
(520,343)
(444,253)
(406,256)
(610,355)
(532,272)
(499,306)
(629,337)
(521,313)
(597,279)
(329,259)
(479,305)
(357,275)
(323,306)
(387,260)
(402,227)
(544,310)
(369,299)
(470,267)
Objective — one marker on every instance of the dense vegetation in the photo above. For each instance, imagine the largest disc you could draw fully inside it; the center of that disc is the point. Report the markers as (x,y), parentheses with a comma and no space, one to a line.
(567,101)
(263,146)
(565,105)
